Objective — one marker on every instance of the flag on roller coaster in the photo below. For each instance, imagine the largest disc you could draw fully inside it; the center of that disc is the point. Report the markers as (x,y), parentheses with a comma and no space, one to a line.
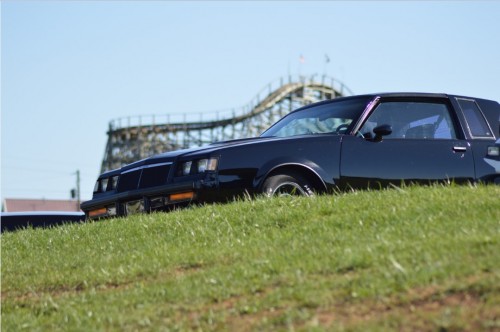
(302,59)
(327,58)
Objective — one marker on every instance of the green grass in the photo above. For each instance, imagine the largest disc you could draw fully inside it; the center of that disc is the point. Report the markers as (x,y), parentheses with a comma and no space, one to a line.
(417,258)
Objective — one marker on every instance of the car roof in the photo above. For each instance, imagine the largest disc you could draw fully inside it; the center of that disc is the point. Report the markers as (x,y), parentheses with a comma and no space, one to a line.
(373,95)
(389,95)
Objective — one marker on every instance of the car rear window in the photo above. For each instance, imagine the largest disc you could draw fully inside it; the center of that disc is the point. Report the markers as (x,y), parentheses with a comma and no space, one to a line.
(477,124)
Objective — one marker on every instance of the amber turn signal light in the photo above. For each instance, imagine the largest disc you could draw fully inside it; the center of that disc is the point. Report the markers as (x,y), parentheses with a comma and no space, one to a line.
(182,196)
(98,212)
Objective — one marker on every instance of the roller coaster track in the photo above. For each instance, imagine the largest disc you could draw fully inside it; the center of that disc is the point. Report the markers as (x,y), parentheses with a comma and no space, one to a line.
(137,137)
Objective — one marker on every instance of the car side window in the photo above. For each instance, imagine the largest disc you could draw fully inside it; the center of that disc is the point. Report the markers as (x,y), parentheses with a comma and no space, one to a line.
(478,127)
(411,120)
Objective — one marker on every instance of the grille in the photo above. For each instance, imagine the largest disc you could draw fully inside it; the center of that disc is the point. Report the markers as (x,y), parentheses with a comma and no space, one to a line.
(154,176)
(144,178)
(129,181)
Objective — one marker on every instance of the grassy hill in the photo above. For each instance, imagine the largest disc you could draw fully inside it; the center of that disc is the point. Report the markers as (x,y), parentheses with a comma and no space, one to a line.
(417,258)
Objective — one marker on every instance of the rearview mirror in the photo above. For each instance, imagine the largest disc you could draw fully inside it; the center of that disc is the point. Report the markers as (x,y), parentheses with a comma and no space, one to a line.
(382,130)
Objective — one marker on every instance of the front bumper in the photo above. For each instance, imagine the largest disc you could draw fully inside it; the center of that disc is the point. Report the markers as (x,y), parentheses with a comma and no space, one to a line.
(145,200)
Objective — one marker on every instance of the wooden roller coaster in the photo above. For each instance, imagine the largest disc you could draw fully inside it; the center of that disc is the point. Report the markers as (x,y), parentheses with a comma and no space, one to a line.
(133,138)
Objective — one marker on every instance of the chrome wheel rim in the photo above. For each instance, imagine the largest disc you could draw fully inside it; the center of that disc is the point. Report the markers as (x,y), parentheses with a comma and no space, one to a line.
(288,189)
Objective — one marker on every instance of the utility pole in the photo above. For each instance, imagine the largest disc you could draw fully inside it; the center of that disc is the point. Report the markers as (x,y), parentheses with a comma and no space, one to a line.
(78,189)
(75,193)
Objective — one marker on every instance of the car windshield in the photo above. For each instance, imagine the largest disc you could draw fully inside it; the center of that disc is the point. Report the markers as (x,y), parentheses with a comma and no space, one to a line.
(334,117)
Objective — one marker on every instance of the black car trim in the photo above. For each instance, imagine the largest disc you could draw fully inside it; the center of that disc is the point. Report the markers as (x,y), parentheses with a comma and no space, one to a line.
(367,111)
(146,166)
(292,165)
(131,194)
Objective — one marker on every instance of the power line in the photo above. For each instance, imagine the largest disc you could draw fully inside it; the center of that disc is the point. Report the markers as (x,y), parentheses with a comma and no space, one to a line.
(31,189)
(41,170)
(37,160)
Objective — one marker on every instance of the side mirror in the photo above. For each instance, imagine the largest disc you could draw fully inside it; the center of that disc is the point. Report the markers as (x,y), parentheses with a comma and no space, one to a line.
(382,130)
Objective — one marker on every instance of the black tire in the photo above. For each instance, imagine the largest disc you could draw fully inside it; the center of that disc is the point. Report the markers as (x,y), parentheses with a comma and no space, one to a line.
(287,184)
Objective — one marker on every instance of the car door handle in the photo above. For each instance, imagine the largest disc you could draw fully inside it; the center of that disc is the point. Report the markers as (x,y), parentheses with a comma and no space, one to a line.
(459,149)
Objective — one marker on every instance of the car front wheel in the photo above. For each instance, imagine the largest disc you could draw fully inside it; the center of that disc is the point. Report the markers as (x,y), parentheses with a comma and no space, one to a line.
(287,184)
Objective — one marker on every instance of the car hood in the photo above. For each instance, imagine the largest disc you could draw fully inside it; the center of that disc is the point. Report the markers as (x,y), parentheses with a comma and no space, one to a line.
(171,156)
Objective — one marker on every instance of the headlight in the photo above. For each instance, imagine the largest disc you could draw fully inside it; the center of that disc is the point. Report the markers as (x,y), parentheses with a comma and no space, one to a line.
(186,168)
(204,165)
(97,185)
(112,182)
(104,184)
(197,166)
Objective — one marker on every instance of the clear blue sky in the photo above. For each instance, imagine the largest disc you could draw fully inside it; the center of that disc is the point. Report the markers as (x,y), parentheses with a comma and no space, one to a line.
(69,67)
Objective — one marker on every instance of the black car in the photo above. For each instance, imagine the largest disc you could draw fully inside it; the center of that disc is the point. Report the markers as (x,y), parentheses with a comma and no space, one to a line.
(11,221)
(345,143)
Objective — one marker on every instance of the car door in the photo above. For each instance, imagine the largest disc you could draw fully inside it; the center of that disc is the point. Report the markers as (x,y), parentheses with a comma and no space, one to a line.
(482,136)
(423,145)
